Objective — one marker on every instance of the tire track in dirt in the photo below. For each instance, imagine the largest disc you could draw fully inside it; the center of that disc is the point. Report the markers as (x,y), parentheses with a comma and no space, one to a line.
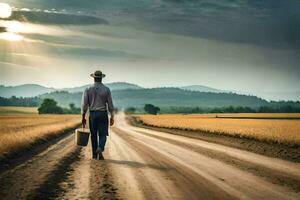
(63,171)
(277,177)
(24,179)
(165,179)
(88,179)
(50,188)
(287,167)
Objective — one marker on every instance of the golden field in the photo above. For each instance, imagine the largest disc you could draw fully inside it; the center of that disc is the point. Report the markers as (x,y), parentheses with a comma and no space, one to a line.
(281,128)
(21,131)
(8,110)
(251,115)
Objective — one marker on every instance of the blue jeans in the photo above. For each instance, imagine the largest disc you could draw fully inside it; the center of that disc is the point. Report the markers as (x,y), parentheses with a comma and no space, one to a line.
(98,122)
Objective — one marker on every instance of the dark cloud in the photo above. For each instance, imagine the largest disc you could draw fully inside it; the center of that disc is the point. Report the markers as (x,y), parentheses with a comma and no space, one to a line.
(271,23)
(266,23)
(55,18)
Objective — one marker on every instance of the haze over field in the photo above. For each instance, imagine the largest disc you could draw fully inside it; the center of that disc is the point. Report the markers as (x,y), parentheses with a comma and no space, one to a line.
(250,46)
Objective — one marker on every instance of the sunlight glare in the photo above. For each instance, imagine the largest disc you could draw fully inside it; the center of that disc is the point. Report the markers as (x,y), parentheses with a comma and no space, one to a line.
(15,27)
(5,10)
(13,37)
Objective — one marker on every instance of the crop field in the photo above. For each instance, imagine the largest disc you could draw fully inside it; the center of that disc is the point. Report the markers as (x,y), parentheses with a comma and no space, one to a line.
(21,131)
(8,110)
(252,115)
(280,128)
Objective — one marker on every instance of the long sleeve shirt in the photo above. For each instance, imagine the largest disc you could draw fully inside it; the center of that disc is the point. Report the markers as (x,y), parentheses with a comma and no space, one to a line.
(97,98)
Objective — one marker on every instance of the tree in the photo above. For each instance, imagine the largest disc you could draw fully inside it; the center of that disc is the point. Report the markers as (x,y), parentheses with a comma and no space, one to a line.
(72,106)
(151,109)
(49,106)
(73,109)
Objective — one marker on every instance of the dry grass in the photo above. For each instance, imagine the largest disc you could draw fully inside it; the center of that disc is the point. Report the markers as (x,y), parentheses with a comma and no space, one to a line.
(8,110)
(276,130)
(21,131)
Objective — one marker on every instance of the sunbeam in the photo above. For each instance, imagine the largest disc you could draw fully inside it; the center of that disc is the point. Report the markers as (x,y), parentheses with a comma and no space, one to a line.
(9,36)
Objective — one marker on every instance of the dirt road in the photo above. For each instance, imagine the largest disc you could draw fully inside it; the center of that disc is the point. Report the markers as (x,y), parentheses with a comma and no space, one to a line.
(147,164)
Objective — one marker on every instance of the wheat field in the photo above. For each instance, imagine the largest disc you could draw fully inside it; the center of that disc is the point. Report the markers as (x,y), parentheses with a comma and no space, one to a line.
(281,129)
(21,131)
(9,110)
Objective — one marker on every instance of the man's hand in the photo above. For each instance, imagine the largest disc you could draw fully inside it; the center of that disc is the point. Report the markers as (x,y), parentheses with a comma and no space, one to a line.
(83,121)
(112,121)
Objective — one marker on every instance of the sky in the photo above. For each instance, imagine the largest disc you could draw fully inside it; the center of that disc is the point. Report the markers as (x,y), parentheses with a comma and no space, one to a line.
(242,45)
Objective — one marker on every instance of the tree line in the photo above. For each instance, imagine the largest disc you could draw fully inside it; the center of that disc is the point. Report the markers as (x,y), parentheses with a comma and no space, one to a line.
(151,109)
(271,107)
(20,101)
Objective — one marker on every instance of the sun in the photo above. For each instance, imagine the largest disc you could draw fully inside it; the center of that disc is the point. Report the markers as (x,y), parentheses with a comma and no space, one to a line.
(5,10)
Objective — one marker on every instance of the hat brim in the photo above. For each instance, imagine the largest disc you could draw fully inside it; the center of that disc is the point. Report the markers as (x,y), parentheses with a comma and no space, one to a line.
(95,76)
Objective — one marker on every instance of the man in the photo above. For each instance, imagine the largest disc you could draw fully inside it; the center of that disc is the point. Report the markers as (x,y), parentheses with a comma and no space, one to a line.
(97,98)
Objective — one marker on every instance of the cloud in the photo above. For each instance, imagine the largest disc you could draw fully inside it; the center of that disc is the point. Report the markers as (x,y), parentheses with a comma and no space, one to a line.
(52,17)
(17,65)
(25,9)
(263,23)
(95,52)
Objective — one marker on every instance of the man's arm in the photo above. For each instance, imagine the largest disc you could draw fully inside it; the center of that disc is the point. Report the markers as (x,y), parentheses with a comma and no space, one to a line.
(110,106)
(84,107)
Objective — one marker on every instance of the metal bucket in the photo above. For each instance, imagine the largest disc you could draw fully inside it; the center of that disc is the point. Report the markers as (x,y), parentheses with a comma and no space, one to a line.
(82,136)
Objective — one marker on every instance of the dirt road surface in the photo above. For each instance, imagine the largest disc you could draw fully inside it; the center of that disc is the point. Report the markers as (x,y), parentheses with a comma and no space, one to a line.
(146,164)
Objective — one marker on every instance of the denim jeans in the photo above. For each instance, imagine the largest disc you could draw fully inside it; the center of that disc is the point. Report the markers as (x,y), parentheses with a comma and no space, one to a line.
(98,122)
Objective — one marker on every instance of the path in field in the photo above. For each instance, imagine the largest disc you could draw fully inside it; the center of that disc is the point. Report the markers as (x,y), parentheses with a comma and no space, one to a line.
(147,164)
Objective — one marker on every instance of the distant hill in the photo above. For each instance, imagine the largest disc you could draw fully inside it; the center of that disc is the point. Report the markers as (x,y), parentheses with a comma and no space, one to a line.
(26,90)
(112,86)
(165,97)
(202,88)
(31,90)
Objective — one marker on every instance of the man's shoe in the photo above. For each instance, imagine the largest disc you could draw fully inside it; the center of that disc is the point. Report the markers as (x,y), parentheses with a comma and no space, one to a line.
(100,156)
(98,150)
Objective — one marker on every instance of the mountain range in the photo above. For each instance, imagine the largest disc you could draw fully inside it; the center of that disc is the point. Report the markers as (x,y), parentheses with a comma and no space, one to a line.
(32,90)
(164,97)
(131,95)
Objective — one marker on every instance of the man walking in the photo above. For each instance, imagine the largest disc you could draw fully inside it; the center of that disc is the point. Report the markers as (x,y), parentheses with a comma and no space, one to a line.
(97,98)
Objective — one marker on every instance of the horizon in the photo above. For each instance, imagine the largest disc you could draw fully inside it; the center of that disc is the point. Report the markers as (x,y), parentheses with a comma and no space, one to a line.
(265,96)
(126,82)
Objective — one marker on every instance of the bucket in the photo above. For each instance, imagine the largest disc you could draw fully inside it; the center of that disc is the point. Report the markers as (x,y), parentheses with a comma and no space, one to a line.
(82,136)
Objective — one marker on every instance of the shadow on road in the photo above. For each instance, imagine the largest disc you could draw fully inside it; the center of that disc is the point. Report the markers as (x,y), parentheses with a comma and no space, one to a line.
(136,164)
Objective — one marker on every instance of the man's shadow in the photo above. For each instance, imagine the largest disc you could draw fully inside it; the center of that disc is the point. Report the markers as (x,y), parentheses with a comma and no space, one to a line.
(136,164)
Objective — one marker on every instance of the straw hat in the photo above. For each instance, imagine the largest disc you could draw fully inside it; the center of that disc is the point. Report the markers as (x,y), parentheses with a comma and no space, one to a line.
(98,74)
